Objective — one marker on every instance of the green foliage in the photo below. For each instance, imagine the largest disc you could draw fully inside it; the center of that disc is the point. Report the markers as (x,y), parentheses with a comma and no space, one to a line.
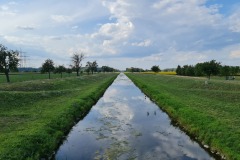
(60,69)
(91,66)
(108,69)
(155,68)
(48,66)
(211,68)
(133,69)
(77,58)
(207,68)
(8,61)
(35,115)
(209,112)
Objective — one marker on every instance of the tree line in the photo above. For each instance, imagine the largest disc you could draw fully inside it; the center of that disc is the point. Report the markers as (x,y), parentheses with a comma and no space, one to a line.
(9,61)
(208,69)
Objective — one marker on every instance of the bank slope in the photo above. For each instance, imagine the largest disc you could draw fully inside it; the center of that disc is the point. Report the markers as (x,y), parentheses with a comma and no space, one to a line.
(210,111)
(35,115)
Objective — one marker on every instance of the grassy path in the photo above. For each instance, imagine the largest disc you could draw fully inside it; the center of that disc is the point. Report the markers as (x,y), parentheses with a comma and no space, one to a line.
(209,112)
(35,115)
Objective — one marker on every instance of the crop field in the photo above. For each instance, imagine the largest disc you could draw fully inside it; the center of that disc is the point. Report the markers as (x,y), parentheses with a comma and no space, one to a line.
(210,112)
(35,115)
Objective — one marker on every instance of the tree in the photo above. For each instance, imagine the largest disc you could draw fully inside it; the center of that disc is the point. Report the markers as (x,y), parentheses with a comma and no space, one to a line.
(225,71)
(48,66)
(155,68)
(60,69)
(76,60)
(91,66)
(69,71)
(179,70)
(211,68)
(8,60)
(198,71)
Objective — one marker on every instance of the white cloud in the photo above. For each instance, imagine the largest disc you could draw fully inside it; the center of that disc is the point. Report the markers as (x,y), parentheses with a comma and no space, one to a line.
(234,22)
(235,54)
(61,18)
(138,32)
(145,43)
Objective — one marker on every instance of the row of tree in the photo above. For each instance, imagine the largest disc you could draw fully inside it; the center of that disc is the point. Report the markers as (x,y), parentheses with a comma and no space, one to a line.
(208,69)
(9,61)
(48,66)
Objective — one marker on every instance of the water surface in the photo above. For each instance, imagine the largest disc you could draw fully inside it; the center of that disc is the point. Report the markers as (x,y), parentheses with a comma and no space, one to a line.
(125,124)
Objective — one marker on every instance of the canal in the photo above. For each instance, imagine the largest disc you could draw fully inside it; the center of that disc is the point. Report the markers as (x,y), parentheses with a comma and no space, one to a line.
(125,124)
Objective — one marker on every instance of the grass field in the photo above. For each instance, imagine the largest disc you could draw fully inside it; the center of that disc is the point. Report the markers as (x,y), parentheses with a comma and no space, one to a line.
(28,76)
(35,115)
(210,112)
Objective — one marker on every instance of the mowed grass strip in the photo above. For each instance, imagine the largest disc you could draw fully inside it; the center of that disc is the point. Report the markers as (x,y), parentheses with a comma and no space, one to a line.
(210,112)
(35,115)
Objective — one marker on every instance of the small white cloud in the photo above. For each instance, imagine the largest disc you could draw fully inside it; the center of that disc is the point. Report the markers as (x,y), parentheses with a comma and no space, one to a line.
(61,18)
(145,43)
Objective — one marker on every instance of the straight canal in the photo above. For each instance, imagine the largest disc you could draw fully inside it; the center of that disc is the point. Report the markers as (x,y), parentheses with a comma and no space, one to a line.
(125,124)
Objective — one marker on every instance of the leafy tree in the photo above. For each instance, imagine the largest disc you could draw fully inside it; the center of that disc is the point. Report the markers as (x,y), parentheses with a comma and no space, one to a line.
(92,66)
(198,69)
(211,68)
(234,70)
(225,71)
(155,68)
(60,69)
(179,70)
(8,60)
(108,69)
(48,66)
(76,60)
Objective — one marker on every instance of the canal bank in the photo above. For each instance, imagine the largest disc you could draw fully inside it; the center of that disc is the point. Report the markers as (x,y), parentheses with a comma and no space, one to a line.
(125,124)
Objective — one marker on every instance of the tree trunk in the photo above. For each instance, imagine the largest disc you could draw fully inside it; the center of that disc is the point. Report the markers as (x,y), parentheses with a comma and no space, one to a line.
(61,74)
(49,75)
(77,72)
(7,76)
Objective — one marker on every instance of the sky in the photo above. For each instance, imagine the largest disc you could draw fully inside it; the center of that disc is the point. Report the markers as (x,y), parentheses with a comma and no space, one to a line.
(123,33)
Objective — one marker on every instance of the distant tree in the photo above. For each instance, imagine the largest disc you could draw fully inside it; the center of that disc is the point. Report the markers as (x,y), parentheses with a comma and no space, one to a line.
(198,71)
(234,70)
(225,71)
(48,66)
(155,68)
(92,66)
(211,68)
(8,60)
(189,70)
(77,58)
(107,69)
(60,69)
(69,71)
(179,70)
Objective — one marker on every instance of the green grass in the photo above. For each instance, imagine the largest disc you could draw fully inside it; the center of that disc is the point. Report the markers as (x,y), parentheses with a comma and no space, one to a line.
(28,76)
(35,115)
(209,112)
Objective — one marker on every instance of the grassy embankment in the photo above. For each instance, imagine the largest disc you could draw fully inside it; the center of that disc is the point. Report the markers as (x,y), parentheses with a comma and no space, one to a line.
(210,112)
(35,115)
